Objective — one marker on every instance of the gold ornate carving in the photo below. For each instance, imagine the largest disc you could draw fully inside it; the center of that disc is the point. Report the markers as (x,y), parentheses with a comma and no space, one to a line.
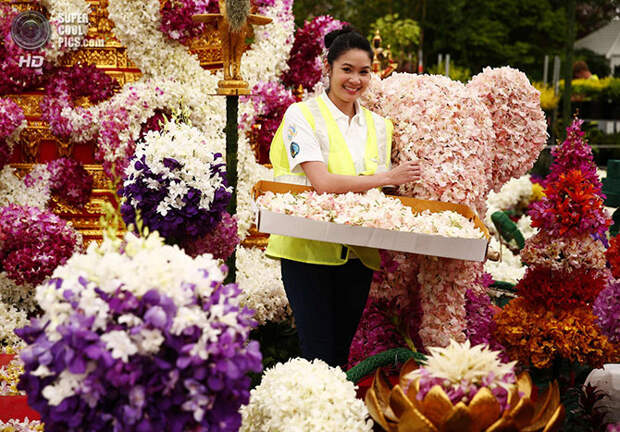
(255,239)
(29,103)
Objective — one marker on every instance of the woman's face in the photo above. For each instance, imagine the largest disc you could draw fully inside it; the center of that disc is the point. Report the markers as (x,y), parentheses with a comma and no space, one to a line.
(349,75)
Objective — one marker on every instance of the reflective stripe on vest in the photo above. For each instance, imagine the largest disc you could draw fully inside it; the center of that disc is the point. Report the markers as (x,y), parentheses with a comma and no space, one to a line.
(339,161)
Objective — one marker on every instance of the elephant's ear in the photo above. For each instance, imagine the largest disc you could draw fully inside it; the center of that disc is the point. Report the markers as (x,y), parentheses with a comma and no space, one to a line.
(518,121)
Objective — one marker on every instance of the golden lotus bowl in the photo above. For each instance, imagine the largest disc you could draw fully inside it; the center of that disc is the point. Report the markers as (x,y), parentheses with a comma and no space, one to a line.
(398,409)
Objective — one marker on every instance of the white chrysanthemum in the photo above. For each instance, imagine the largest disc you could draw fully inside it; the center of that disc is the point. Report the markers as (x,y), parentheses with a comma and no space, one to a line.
(460,362)
(260,280)
(302,396)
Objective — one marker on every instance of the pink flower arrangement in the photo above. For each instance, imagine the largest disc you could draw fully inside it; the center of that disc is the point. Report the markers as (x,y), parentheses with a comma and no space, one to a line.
(65,86)
(565,254)
(176,17)
(460,136)
(221,242)
(440,124)
(480,320)
(574,153)
(305,60)
(518,121)
(11,119)
(69,181)
(35,243)
(607,309)
(269,101)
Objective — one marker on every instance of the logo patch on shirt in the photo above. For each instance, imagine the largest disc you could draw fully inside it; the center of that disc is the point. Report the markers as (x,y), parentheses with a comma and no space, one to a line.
(294,149)
(291,132)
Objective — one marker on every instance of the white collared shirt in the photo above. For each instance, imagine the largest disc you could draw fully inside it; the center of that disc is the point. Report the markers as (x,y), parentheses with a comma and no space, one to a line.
(297,130)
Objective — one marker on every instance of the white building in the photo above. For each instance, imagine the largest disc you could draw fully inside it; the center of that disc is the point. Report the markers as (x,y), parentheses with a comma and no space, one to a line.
(604,41)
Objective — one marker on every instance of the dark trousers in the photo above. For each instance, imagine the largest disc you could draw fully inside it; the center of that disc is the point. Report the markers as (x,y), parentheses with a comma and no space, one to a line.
(327,303)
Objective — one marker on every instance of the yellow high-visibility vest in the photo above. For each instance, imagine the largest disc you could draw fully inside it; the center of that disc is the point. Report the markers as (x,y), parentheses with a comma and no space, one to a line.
(339,161)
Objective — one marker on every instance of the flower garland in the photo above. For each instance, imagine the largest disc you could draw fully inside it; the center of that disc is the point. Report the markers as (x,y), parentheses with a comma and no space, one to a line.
(70,181)
(14,425)
(461,370)
(303,395)
(176,18)
(11,318)
(12,122)
(33,191)
(141,336)
(305,65)
(178,190)
(262,290)
(65,86)
(518,120)
(270,101)
(370,209)
(35,243)
(481,325)
(172,75)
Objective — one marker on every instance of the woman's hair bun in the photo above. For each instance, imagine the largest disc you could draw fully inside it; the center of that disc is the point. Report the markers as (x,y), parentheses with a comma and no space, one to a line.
(332,35)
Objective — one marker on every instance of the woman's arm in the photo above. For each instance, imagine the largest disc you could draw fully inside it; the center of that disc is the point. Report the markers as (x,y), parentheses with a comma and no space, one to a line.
(325,182)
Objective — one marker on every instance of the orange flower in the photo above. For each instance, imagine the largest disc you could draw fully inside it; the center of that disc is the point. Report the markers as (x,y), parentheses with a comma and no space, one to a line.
(537,336)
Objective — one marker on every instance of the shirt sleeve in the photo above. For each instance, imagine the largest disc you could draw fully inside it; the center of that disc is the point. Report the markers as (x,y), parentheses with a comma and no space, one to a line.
(299,140)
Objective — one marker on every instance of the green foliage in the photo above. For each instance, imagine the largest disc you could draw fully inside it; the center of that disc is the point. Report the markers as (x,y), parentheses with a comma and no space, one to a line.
(478,33)
(457,73)
(496,32)
(278,343)
(400,35)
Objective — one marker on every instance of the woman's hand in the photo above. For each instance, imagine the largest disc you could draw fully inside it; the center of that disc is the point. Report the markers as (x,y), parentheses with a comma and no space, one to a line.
(325,182)
(406,172)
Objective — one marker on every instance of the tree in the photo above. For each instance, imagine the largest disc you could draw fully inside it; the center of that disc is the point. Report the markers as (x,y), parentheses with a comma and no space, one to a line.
(401,35)
(594,14)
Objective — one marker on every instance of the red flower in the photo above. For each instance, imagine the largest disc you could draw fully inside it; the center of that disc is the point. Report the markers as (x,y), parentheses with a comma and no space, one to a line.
(613,256)
(558,289)
(572,206)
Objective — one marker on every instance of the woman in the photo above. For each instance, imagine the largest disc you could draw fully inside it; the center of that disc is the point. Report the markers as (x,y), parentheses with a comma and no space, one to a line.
(334,144)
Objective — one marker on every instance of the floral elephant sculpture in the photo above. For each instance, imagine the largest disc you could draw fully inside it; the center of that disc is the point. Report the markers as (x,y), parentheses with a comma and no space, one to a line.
(470,139)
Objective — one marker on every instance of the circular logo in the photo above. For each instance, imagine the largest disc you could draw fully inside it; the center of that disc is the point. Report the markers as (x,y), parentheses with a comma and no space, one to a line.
(30,30)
